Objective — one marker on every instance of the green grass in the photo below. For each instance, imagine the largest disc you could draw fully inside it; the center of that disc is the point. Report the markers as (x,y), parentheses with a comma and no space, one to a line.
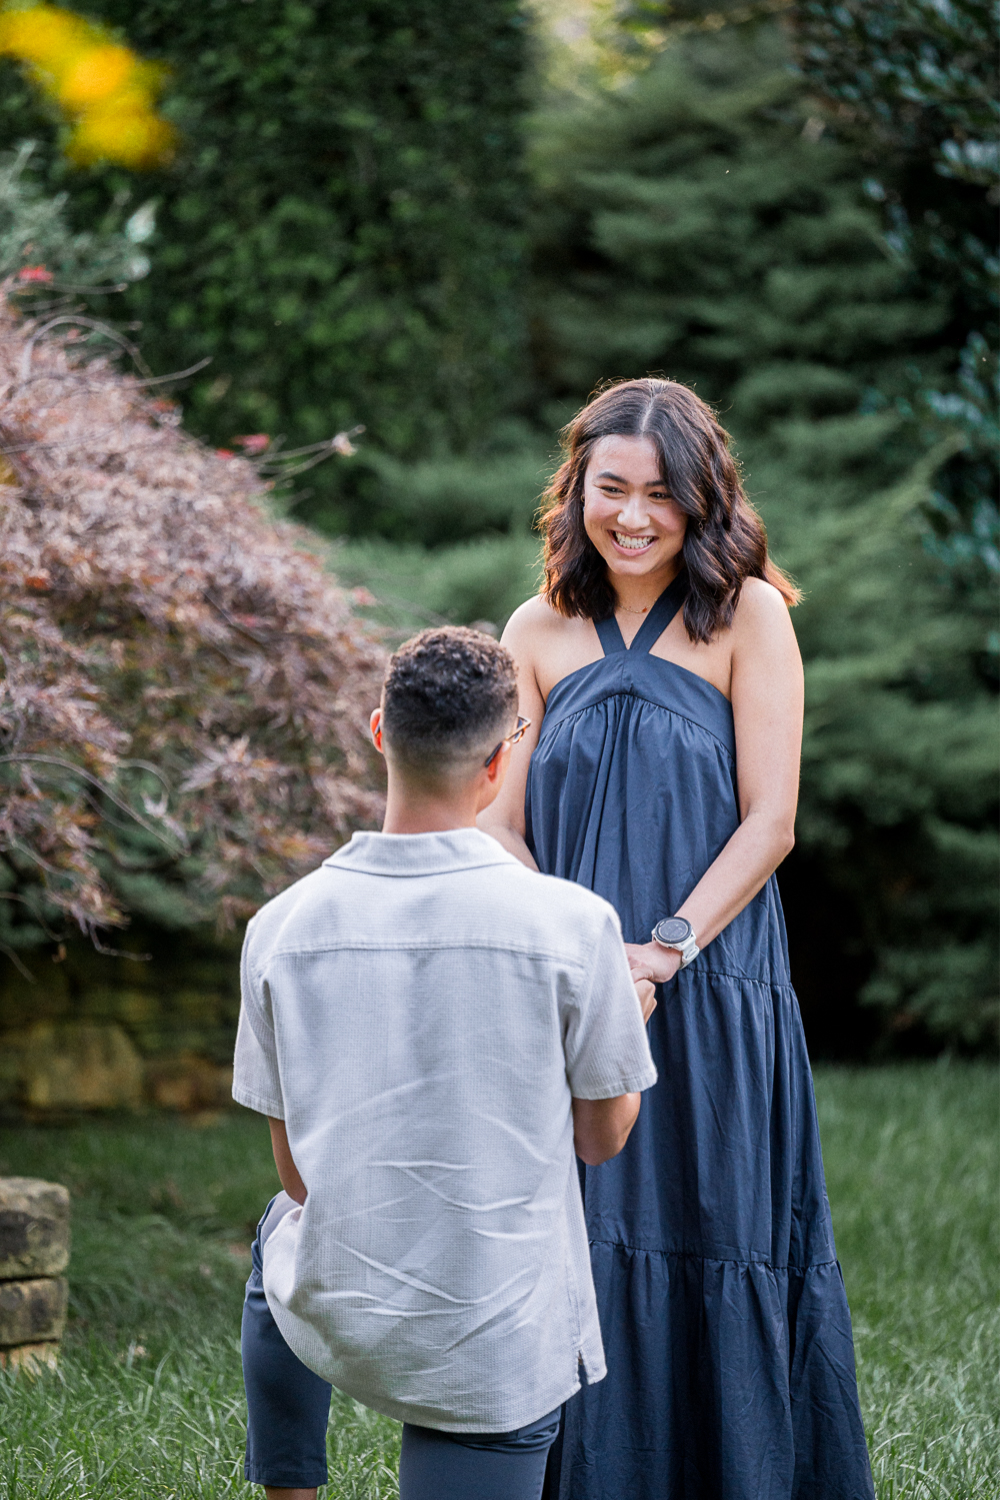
(148,1402)
(912,1170)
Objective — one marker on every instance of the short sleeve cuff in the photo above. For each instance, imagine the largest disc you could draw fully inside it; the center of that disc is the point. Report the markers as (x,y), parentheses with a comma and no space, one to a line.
(603,1089)
(261,1103)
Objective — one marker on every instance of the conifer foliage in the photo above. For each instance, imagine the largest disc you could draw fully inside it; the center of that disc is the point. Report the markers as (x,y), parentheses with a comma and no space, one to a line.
(914,86)
(184,699)
(708,224)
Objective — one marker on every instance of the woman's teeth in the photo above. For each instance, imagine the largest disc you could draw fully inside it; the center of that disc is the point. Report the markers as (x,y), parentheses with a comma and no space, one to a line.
(633,543)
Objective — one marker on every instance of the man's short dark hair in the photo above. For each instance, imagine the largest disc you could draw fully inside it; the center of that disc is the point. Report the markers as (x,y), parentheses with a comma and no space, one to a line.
(448,693)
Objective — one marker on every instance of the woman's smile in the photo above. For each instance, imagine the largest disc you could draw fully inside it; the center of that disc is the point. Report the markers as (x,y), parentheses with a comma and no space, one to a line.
(630,543)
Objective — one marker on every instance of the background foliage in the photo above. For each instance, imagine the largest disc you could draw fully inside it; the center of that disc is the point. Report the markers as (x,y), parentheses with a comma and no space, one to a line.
(340,232)
(449,225)
(185,693)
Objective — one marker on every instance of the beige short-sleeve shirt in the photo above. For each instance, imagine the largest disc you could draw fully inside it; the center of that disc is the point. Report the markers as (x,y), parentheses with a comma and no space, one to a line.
(420,1011)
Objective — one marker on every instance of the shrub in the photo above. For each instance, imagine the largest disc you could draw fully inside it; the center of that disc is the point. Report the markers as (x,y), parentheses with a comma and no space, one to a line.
(183,711)
(37,242)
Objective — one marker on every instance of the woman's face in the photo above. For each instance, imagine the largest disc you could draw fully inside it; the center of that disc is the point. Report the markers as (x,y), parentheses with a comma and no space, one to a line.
(627,510)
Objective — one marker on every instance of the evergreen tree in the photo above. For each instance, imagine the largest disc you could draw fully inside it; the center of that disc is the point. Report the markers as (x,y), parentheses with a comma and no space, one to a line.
(703,224)
(913,85)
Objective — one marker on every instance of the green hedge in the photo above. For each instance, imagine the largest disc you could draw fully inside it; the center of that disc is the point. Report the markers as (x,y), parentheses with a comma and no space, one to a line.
(342,233)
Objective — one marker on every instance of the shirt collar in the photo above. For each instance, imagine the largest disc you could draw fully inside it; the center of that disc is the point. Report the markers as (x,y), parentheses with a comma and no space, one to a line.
(419,853)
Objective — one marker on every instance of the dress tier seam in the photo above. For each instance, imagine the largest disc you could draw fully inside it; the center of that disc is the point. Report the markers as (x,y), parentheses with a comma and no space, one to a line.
(633,693)
(718,1260)
(765,984)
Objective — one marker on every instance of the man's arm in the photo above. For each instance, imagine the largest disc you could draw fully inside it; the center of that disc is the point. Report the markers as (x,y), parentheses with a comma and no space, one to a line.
(600,1127)
(288,1172)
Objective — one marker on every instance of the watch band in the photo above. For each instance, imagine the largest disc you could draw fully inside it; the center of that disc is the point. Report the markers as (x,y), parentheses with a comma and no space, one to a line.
(689,953)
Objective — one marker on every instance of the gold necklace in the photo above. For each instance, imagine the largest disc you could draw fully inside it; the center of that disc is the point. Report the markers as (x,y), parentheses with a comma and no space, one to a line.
(625,610)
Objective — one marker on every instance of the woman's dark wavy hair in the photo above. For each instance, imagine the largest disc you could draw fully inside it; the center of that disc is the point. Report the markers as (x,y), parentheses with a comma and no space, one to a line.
(725,540)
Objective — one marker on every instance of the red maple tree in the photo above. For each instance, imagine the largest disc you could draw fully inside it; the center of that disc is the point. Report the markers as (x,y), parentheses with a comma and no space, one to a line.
(185,691)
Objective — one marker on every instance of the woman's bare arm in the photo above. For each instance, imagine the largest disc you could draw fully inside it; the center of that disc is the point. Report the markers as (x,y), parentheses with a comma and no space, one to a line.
(504,818)
(767,696)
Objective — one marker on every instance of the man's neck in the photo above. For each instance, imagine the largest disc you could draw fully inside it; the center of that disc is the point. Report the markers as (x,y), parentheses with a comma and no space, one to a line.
(419,811)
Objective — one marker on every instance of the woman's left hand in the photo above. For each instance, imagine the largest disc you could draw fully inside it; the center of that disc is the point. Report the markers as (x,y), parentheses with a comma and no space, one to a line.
(650,961)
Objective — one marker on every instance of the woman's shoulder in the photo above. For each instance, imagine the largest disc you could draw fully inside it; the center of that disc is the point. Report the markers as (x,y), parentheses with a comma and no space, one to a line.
(535,623)
(548,644)
(533,613)
(760,609)
(762,628)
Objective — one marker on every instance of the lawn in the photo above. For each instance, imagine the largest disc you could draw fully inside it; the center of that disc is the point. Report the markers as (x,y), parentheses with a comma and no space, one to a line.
(147,1404)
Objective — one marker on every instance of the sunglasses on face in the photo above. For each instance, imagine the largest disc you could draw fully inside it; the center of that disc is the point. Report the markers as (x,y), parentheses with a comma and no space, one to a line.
(509,739)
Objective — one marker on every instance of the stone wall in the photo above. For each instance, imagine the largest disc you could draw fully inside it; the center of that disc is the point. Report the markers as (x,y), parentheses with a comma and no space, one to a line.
(93,1031)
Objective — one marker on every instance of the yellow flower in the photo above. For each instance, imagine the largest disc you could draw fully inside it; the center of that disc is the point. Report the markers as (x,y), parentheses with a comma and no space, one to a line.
(93,75)
(105,89)
(133,136)
(43,35)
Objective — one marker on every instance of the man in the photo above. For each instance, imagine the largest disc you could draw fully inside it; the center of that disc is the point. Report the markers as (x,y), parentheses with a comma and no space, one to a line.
(431,1028)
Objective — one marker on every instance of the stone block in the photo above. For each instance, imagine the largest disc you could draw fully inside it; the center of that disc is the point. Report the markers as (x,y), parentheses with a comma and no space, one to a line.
(34,1228)
(75,1065)
(30,1358)
(32,1312)
(188,1083)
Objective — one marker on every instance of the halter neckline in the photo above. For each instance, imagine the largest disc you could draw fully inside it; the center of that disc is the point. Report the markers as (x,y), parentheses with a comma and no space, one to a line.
(659,617)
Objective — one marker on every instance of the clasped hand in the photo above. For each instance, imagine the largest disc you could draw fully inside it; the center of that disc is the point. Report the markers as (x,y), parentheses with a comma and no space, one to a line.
(650,961)
(650,964)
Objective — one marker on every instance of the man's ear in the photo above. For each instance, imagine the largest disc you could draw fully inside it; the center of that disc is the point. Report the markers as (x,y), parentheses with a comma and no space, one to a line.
(375,723)
(497,768)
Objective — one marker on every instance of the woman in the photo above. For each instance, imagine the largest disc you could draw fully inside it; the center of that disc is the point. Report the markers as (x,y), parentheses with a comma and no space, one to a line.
(660,672)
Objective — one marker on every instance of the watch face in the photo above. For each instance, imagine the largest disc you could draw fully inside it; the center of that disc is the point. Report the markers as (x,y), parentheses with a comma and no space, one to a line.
(673,930)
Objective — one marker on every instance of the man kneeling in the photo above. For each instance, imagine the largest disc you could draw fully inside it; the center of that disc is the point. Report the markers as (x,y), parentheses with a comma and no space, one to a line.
(431,1027)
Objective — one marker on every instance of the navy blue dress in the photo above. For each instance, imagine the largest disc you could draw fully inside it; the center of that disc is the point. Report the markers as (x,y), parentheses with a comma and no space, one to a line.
(728,1338)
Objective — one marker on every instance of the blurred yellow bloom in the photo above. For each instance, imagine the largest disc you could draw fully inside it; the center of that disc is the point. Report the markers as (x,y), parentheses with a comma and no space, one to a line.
(136,138)
(105,89)
(43,35)
(93,75)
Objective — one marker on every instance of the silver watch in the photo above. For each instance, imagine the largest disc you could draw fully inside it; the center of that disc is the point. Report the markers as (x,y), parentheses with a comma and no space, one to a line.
(677,932)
